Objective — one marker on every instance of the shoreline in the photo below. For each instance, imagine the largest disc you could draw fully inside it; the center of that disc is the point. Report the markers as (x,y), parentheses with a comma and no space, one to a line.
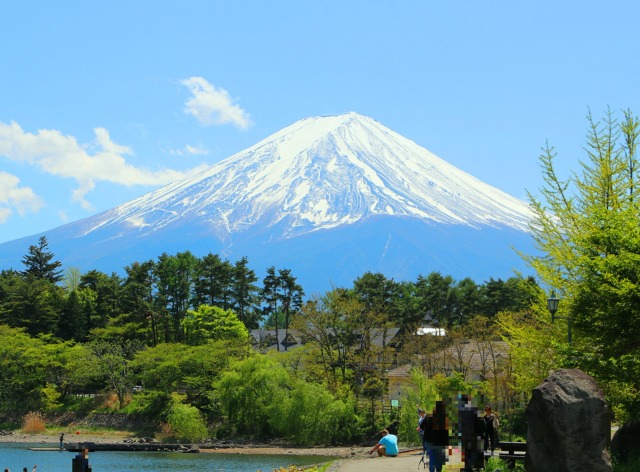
(338,459)
(337,452)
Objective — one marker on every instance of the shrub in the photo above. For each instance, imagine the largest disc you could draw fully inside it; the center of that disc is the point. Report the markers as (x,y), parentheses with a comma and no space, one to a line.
(185,421)
(33,422)
(148,403)
(165,433)
(110,401)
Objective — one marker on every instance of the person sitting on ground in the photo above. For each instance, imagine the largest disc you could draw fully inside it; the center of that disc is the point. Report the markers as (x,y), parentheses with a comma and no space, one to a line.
(387,446)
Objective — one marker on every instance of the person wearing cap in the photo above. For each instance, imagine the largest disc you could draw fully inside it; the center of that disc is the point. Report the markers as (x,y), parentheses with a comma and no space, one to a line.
(387,446)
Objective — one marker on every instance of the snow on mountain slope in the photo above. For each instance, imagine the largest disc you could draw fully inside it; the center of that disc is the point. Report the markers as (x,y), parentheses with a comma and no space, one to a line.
(319,173)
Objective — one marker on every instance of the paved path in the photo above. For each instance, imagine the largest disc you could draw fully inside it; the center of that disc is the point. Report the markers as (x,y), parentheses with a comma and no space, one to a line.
(405,462)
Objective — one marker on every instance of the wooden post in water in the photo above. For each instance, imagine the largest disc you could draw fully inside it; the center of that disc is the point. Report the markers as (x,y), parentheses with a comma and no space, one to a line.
(80,463)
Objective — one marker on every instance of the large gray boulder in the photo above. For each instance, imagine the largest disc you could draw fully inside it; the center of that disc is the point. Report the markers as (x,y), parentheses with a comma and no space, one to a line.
(569,425)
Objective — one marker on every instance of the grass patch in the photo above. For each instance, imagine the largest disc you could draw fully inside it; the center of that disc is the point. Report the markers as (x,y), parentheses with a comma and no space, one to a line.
(627,466)
(494,463)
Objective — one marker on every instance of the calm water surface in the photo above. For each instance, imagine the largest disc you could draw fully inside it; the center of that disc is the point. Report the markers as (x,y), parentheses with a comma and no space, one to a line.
(16,456)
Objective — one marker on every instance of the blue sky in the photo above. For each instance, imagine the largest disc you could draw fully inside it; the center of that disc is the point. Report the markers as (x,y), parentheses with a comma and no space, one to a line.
(101,102)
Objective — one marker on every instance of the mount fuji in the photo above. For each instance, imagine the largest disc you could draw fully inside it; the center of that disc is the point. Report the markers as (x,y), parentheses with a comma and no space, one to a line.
(328,197)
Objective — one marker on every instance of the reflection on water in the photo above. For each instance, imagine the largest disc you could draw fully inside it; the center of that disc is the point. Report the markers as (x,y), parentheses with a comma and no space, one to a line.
(16,456)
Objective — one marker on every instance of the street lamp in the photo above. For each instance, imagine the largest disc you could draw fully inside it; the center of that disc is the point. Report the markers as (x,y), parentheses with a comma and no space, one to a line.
(552,305)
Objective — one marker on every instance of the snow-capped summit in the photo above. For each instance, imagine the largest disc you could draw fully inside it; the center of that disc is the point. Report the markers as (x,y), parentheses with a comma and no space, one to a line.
(329,197)
(320,173)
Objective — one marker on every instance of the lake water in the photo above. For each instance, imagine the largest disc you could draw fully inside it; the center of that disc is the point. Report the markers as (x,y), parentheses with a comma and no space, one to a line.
(16,456)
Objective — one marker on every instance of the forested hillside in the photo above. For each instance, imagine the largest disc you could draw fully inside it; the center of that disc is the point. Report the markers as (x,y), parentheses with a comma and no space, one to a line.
(171,340)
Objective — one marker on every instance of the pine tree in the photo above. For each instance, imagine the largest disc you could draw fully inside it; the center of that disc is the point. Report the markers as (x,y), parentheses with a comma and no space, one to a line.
(40,264)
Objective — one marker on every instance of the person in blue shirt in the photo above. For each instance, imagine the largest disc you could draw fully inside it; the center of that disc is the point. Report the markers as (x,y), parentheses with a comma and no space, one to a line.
(387,446)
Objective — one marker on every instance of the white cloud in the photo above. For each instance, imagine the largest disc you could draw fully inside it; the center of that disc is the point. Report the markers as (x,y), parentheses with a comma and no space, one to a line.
(12,196)
(211,105)
(197,150)
(188,149)
(62,156)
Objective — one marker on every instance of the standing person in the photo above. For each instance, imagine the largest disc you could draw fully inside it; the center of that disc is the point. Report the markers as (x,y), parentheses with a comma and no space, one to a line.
(387,446)
(491,424)
(421,418)
(61,441)
(436,436)
(471,431)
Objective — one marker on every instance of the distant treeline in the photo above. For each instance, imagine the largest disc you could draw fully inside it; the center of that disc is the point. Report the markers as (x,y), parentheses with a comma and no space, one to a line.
(151,301)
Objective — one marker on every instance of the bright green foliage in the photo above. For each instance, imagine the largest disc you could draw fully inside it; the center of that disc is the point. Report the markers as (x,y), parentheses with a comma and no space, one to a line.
(178,367)
(260,398)
(186,421)
(587,229)
(533,353)
(494,464)
(249,390)
(21,371)
(50,398)
(212,323)
(309,414)
(70,368)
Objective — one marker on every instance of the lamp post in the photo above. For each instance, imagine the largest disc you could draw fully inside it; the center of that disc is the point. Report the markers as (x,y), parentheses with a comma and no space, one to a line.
(552,306)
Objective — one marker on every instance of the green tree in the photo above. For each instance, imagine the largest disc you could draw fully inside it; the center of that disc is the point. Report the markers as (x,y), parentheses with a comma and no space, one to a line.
(466,301)
(213,323)
(436,298)
(69,368)
(270,297)
(112,360)
(245,294)
(34,304)
(290,295)
(73,322)
(586,228)
(103,296)
(174,282)
(39,262)
(258,396)
(186,421)
(213,282)
(22,371)
(249,391)
(137,299)
(331,326)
